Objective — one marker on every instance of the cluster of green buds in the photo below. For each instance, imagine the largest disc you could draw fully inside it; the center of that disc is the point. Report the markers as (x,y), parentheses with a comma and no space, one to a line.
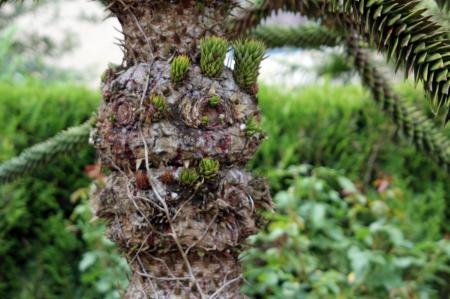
(248,55)
(179,68)
(213,53)
(189,177)
(252,127)
(159,102)
(205,120)
(215,101)
(209,168)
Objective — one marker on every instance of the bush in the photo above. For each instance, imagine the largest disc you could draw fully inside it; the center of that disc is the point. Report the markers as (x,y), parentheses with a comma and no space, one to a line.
(328,240)
(340,127)
(39,247)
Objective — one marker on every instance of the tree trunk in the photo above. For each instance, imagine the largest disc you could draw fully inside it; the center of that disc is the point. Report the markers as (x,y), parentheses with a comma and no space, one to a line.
(178,201)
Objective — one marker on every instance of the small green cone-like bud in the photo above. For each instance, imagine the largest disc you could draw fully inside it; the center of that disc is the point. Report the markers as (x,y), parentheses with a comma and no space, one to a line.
(189,177)
(252,127)
(213,52)
(248,55)
(215,101)
(159,102)
(209,168)
(179,68)
(205,120)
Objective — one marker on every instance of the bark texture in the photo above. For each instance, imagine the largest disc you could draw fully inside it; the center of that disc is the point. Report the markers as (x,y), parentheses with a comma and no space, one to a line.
(181,222)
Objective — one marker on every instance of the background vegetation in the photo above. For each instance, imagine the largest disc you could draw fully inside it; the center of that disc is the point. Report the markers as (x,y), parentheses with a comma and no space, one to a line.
(373,228)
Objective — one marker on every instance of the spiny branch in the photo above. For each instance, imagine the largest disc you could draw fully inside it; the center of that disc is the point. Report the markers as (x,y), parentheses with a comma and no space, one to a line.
(250,17)
(413,123)
(311,36)
(65,143)
(402,31)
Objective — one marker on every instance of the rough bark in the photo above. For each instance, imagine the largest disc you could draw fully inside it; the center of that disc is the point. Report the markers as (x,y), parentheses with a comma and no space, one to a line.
(181,234)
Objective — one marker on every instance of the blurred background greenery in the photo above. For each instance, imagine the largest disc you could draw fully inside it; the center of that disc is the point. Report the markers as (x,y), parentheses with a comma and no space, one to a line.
(360,213)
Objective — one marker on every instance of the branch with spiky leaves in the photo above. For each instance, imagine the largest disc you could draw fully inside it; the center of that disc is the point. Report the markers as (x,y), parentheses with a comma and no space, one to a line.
(400,29)
(410,120)
(413,123)
(65,143)
(310,36)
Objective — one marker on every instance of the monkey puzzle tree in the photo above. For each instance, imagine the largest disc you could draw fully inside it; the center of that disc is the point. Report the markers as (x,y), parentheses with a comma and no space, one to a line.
(176,126)
(175,129)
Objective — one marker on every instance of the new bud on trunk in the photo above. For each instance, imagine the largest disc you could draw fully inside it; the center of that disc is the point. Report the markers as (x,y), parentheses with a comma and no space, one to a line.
(176,131)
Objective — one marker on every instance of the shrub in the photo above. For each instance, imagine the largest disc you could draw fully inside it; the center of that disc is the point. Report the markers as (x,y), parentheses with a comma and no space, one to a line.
(39,248)
(329,240)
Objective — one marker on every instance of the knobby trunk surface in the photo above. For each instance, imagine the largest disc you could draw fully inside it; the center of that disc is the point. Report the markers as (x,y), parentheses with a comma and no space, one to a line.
(178,200)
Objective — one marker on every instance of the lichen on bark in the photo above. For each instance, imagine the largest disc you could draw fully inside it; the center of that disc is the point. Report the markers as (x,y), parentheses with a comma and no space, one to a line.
(178,200)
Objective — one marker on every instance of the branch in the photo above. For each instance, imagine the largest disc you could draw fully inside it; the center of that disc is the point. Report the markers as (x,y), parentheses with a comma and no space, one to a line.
(311,36)
(250,17)
(413,123)
(65,143)
(400,29)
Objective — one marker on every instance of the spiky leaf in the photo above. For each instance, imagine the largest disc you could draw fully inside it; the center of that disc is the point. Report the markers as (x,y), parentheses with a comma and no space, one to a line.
(443,4)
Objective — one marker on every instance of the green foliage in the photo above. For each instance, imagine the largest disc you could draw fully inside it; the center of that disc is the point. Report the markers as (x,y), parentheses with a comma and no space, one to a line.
(209,168)
(104,272)
(400,29)
(212,57)
(189,177)
(39,250)
(179,68)
(33,159)
(329,240)
(340,127)
(309,36)
(248,55)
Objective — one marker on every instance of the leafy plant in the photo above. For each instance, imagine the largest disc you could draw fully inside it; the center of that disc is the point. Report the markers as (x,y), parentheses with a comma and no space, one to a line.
(350,243)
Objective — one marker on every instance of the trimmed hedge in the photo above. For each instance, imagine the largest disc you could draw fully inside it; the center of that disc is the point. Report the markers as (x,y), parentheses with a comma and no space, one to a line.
(39,249)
